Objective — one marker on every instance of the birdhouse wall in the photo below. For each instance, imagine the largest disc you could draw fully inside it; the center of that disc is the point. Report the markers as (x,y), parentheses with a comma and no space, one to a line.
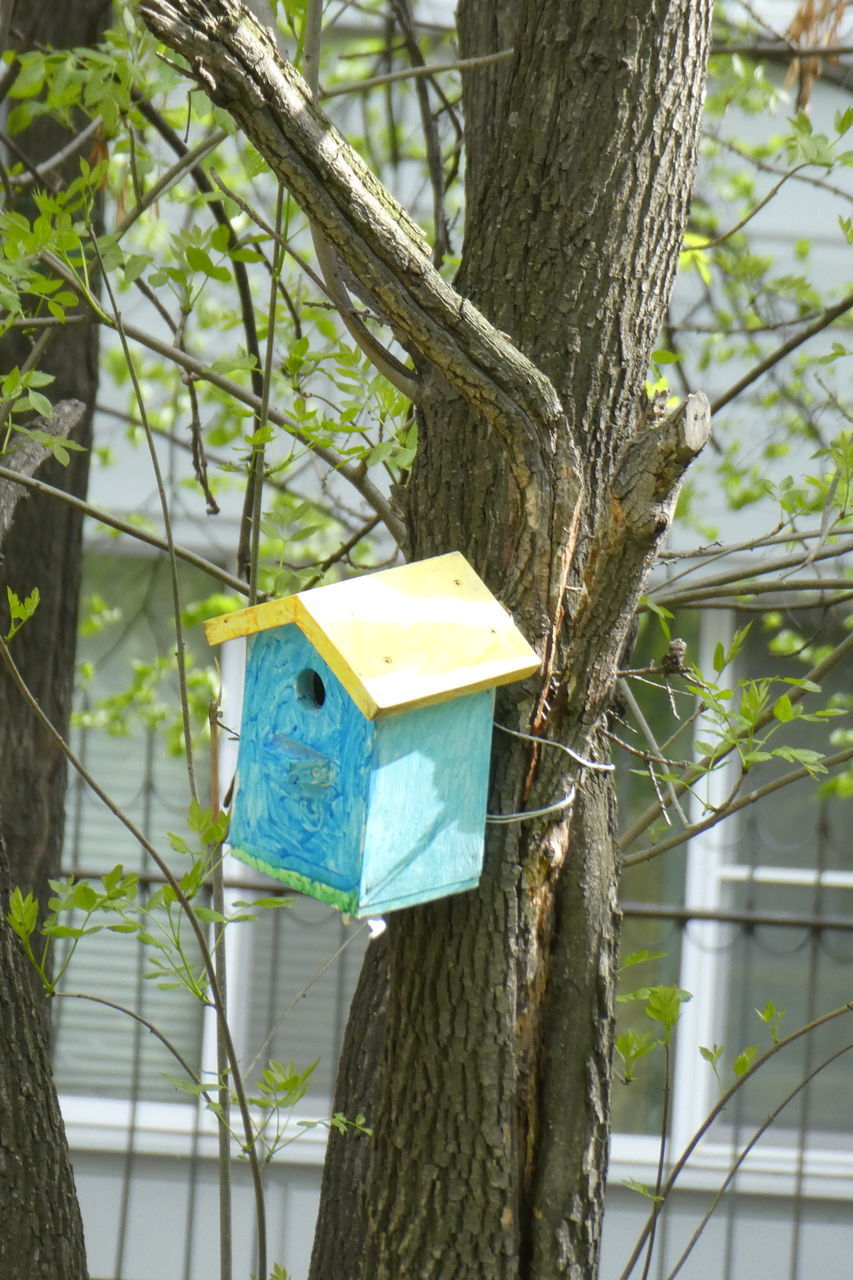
(302,771)
(427,808)
(368,815)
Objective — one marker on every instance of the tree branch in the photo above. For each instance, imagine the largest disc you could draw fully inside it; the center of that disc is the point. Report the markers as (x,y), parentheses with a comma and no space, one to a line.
(651,465)
(236,62)
(726,810)
(191,365)
(823,321)
(122,526)
(413,73)
(698,770)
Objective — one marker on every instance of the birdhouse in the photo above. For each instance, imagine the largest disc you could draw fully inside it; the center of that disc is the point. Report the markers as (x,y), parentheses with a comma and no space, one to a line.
(364,749)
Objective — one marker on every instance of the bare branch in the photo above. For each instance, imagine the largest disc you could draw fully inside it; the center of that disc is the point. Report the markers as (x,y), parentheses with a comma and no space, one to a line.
(782,52)
(722,1102)
(237,63)
(41,170)
(412,73)
(355,475)
(122,526)
(817,326)
(692,775)
(727,809)
(652,464)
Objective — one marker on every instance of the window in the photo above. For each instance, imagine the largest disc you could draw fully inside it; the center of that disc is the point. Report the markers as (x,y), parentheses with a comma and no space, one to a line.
(758,910)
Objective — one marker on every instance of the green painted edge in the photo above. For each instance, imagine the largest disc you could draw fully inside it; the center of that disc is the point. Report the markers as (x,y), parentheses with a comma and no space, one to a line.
(314,888)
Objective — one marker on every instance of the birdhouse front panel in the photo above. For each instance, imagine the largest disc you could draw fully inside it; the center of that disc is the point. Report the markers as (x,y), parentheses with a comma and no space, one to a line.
(302,770)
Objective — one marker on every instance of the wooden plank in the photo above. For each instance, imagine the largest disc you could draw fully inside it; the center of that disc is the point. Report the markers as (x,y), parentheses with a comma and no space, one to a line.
(414,636)
(427,810)
(247,622)
(404,638)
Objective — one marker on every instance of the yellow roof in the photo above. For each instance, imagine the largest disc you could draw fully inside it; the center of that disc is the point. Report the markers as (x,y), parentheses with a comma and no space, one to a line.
(402,638)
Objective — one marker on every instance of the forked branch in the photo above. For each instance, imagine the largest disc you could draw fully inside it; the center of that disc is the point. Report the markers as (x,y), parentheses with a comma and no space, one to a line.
(234,60)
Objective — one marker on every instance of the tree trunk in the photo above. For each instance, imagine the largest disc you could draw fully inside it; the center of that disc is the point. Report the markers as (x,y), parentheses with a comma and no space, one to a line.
(491,1095)
(42,1237)
(483,1060)
(43,547)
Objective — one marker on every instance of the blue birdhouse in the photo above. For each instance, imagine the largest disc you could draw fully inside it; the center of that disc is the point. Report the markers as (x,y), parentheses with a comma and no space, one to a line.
(364,749)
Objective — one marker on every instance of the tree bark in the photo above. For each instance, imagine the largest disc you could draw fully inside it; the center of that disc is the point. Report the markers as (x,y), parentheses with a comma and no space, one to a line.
(488,1063)
(42,1236)
(43,547)
(492,1120)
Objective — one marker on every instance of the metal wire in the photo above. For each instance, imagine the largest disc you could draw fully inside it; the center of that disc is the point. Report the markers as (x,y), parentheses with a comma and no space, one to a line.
(568,798)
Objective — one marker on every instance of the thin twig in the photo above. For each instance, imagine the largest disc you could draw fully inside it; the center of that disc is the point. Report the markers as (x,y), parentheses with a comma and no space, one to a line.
(387,363)
(412,73)
(220,960)
(123,526)
(181,649)
(59,157)
(720,1106)
(186,906)
(255,486)
(182,166)
(217,209)
(742,1155)
(137,1017)
(751,213)
(810,179)
(794,694)
(726,809)
(824,320)
(355,475)
(435,163)
(648,734)
(782,52)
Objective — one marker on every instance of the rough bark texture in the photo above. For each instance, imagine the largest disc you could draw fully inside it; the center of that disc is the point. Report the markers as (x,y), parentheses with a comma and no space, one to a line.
(493,1108)
(42,1235)
(42,549)
(486,1059)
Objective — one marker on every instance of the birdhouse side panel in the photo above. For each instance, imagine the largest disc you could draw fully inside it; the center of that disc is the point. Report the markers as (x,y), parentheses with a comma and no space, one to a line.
(302,769)
(427,808)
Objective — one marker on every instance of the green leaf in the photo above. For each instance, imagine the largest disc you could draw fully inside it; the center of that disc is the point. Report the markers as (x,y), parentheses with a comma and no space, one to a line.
(633,1185)
(744,1060)
(84,896)
(209,916)
(640,957)
(22,915)
(20,611)
(783,709)
(664,1005)
(39,404)
(843,121)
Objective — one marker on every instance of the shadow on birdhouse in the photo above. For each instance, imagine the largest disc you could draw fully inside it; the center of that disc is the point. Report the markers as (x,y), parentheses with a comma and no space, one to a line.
(366,733)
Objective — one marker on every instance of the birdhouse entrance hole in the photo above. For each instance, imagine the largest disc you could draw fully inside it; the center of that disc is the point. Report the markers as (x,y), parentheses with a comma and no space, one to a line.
(310,688)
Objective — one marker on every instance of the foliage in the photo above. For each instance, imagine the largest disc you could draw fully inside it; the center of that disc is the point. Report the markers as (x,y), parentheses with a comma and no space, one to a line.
(222,345)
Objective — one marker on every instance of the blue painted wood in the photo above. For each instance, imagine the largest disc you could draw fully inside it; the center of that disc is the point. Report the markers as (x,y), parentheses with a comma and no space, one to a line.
(368,815)
(427,808)
(302,767)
